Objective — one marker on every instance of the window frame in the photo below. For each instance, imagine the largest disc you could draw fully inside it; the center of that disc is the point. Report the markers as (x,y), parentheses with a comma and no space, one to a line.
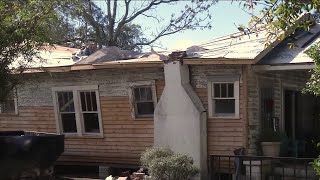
(224,79)
(77,106)
(15,99)
(141,84)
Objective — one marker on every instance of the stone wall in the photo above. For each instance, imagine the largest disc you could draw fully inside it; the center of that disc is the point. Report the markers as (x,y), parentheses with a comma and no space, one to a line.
(277,80)
(123,139)
(36,91)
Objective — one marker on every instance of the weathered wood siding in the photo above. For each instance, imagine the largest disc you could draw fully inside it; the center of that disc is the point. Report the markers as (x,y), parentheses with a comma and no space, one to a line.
(30,118)
(276,80)
(224,135)
(124,138)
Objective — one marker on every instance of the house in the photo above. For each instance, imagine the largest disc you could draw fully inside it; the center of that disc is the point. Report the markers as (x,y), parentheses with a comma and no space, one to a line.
(211,99)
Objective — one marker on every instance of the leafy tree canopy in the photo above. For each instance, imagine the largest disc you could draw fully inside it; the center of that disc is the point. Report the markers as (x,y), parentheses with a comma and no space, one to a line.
(23,31)
(280,16)
(116,24)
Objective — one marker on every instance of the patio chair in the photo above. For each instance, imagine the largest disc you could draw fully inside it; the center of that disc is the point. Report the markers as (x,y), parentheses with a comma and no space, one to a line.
(238,163)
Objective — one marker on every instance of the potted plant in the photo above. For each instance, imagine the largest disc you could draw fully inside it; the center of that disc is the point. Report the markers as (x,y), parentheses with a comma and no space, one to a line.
(270,142)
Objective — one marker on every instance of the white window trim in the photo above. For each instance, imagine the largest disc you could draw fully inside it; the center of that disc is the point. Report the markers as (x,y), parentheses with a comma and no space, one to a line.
(235,79)
(79,121)
(133,85)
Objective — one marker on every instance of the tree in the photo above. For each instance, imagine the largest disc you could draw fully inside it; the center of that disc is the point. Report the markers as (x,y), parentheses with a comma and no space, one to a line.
(280,16)
(23,31)
(116,25)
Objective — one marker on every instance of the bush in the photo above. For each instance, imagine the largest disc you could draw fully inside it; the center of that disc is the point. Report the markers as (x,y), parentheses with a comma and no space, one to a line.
(316,165)
(163,164)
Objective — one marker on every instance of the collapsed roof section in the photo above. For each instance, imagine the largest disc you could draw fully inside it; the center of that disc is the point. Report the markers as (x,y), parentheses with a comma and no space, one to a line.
(236,48)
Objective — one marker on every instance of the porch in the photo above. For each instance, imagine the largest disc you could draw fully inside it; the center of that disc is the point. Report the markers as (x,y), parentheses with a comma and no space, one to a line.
(280,104)
(260,168)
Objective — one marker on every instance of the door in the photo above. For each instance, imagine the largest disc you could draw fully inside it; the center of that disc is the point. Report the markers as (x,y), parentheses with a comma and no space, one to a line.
(290,113)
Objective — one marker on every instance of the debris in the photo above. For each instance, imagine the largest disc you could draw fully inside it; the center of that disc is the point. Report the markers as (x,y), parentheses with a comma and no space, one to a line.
(109,178)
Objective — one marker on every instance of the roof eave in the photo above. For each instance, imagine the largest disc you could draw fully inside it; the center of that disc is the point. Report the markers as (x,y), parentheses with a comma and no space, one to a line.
(218,61)
(283,67)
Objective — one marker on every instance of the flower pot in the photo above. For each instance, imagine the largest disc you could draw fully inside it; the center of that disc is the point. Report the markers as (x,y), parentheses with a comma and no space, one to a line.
(271,149)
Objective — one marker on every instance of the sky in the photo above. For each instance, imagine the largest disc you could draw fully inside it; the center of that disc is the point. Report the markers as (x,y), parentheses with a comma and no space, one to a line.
(226,15)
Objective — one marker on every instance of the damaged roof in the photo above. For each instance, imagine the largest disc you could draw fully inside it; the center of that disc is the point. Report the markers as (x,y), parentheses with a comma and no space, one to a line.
(55,56)
(234,46)
(283,54)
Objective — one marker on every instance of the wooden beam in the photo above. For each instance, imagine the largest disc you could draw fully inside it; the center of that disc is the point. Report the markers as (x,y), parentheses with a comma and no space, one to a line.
(128,65)
(218,61)
(283,67)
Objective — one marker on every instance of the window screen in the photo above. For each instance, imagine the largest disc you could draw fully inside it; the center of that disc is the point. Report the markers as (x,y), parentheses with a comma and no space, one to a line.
(67,112)
(143,101)
(89,111)
(223,98)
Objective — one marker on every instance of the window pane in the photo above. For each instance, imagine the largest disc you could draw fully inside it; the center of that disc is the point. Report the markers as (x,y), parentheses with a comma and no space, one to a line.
(230,90)
(216,90)
(149,93)
(145,108)
(224,106)
(8,106)
(94,101)
(69,123)
(223,90)
(83,101)
(137,94)
(143,94)
(91,122)
(88,101)
(65,101)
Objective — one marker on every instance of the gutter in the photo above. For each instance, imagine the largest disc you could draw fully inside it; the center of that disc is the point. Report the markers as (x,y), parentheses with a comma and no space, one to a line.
(283,67)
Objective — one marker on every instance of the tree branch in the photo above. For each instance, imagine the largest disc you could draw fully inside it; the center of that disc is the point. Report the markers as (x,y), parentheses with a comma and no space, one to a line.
(122,22)
(153,3)
(150,16)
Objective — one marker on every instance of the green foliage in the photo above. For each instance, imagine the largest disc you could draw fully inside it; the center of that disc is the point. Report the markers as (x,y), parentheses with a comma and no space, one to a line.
(280,18)
(313,85)
(23,31)
(269,135)
(316,165)
(163,164)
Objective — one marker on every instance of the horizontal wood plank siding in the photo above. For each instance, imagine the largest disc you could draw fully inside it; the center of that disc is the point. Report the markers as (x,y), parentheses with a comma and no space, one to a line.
(224,135)
(123,141)
(30,118)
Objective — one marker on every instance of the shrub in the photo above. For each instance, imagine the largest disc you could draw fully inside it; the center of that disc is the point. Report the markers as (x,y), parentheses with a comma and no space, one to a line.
(316,165)
(163,164)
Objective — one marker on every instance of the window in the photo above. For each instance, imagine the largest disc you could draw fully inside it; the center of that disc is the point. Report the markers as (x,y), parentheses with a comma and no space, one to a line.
(143,99)
(89,111)
(10,105)
(224,97)
(78,110)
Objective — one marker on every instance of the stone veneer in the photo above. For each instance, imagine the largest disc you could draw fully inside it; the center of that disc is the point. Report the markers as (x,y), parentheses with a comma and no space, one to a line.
(276,80)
